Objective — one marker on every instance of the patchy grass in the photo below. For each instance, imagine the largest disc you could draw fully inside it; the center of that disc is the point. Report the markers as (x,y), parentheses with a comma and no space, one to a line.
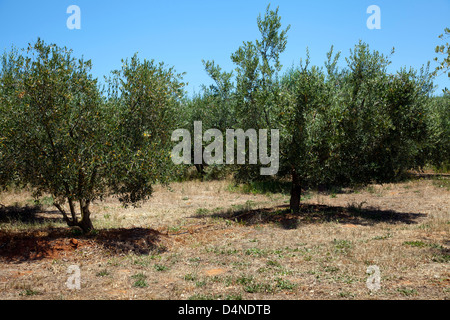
(214,240)
(442,182)
(29,292)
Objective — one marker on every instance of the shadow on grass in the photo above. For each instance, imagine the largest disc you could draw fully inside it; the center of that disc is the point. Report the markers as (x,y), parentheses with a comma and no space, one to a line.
(56,243)
(315,214)
(27,215)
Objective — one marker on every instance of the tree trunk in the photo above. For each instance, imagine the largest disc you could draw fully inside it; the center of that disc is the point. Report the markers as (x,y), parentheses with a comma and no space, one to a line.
(200,169)
(296,192)
(85,223)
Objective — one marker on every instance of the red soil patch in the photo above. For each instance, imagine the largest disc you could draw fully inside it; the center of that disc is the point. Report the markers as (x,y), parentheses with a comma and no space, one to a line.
(34,246)
(215,272)
(60,243)
(20,274)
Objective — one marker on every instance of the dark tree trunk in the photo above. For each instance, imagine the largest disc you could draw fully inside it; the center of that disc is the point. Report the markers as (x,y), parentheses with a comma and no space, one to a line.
(85,223)
(200,169)
(296,192)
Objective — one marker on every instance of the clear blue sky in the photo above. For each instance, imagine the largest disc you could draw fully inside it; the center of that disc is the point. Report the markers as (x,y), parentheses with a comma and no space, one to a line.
(183,32)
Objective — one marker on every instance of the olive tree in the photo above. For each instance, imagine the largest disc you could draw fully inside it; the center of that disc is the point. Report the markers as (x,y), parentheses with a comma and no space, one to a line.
(438,132)
(337,126)
(304,145)
(61,136)
(257,94)
(214,107)
(355,125)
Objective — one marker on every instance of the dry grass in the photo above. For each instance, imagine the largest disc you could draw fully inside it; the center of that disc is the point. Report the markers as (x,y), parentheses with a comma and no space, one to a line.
(201,241)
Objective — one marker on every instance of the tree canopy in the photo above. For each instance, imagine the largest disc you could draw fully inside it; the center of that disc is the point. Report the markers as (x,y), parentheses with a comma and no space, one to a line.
(60,135)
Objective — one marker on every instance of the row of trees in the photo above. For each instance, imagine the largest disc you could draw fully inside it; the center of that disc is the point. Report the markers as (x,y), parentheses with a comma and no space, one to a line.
(339,126)
(63,135)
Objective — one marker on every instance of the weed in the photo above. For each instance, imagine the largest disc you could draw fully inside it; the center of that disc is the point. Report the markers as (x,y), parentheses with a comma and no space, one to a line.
(244,280)
(174,229)
(254,252)
(272,263)
(233,297)
(442,182)
(140,280)
(285,284)
(387,236)
(190,277)
(258,287)
(441,258)
(202,212)
(305,197)
(200,283)
(143,261)
(356,207)
(29,292)
(419,244)
(407,291)
(160,267)
(103,273)
(342,246)
(346,294)
(194,260)
(331,269)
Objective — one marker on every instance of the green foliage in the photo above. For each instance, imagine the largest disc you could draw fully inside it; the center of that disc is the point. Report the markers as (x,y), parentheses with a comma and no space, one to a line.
(29,292)
(437,149)
(140,280)
(240,99)
(214,108)
(355,125)
(160,267)
(61,136)
(338,127)
(103,273)
(142,98)
(415,243)
(407,291)
(444,49)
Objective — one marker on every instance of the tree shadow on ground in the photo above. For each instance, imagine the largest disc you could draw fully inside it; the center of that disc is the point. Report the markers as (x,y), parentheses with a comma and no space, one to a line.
(27,215)
(55,243)
(52,242)
(315,214)
(141,241)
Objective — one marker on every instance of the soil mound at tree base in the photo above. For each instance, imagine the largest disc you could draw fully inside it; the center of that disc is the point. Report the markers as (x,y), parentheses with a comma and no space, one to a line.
(56,244)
